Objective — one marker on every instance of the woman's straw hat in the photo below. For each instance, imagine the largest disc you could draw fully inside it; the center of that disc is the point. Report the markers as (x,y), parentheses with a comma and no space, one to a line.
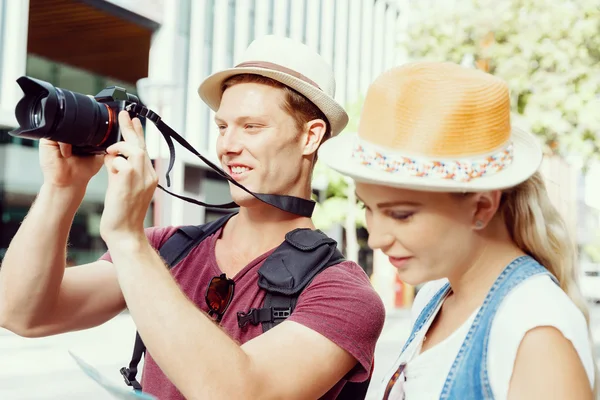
(436,127)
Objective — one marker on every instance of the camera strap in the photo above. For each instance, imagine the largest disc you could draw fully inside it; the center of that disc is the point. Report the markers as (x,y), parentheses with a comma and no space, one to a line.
(294,205)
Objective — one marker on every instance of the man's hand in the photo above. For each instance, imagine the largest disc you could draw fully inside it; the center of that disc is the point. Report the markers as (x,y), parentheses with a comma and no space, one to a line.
(63,170)
(132,181)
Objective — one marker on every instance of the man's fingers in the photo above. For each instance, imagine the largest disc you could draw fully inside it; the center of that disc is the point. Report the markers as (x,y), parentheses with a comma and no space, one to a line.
(120,164)
(116,164)
(137,126)
(108,159)
(137,157)
(139,130)
(127,130)
(66,150)
(124,148)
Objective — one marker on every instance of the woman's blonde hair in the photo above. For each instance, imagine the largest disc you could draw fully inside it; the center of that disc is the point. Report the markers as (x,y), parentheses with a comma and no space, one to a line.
(538,229)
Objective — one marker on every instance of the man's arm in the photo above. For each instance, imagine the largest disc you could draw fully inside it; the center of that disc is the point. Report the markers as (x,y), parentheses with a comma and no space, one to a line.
(38,297)
(543,374)
(289,361)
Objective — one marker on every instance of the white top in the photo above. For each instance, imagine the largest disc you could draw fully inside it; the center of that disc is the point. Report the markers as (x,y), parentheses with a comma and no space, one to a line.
(538,301)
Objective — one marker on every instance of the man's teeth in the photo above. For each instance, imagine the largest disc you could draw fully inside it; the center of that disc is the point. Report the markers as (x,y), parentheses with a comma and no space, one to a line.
(239,170)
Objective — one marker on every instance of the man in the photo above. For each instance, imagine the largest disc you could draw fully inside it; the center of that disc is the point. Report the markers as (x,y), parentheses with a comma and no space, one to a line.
(273,111)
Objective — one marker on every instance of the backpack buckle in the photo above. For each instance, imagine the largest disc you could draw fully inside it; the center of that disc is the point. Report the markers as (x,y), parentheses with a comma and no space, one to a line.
(279,313)
(255,316)
(245,318)
(125,372)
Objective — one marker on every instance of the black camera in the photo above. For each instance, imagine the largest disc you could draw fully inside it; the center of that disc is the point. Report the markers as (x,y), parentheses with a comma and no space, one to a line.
(89,124)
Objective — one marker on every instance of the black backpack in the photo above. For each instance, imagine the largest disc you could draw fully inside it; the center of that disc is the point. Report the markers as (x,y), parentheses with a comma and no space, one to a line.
(310,252)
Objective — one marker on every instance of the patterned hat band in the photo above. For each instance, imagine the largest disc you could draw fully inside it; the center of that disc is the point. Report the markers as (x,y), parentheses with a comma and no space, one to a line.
(463,170)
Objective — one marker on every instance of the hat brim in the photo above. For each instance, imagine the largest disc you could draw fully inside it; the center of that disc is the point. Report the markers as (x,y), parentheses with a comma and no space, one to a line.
(210,93)
(527,158)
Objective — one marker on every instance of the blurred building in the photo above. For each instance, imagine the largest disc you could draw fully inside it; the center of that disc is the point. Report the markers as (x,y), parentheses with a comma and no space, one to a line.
(82,46)
(162,50)
(563,183)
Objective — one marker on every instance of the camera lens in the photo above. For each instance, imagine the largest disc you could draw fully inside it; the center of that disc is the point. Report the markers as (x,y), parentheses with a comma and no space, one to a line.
(37,113)
(64,116)
(88,123)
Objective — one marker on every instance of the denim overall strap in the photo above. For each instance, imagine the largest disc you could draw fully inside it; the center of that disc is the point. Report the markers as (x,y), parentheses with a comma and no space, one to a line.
(468,376)
(426,313)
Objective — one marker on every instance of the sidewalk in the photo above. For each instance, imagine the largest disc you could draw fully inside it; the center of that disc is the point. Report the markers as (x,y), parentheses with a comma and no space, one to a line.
(42,368)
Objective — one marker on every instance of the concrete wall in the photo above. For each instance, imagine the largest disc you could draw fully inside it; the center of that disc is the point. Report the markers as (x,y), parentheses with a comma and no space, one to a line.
(13,51)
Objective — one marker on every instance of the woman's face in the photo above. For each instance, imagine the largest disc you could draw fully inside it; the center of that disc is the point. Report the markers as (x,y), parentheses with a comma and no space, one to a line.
(427,235)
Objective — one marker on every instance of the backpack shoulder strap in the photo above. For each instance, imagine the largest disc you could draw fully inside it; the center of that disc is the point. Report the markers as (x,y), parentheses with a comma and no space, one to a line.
(287,271)
(355,390)
(281,305)
(175,249)
(186,238)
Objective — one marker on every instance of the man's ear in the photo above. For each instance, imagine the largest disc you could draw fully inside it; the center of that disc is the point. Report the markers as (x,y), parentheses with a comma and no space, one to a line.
(313,136)
(486,206)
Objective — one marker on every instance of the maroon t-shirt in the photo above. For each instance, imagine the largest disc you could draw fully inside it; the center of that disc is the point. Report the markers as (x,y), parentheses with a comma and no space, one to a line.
(339,303)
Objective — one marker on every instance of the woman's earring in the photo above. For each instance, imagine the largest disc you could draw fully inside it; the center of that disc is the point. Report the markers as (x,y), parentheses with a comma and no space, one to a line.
(479,224)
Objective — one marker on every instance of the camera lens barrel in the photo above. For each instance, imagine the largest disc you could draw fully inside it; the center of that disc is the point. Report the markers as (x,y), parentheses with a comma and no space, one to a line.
(83,121)
(88,123)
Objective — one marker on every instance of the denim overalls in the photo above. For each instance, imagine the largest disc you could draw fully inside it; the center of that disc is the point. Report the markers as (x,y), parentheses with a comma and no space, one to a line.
(468,378)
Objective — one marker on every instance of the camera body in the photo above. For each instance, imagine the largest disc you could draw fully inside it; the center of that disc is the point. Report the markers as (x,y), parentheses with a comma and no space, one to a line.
(89,124)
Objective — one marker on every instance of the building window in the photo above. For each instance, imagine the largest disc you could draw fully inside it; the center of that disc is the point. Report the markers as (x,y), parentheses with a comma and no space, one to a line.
(208,58)
(304,21)
(209,36)
(5,138)
(288,18)
(230,32)
(271,16)
(252,20)
(216,191)
(71,78)
(66,77)
(319,27)
(334,30)
(365,253)
(85,243)
(2,35)
(185,12)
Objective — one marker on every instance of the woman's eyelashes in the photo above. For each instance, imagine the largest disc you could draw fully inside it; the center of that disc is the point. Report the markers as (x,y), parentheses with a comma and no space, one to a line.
(400,215)
(396,215)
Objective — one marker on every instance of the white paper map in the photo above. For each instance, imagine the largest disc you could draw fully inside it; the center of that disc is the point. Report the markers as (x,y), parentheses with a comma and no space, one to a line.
(116,391)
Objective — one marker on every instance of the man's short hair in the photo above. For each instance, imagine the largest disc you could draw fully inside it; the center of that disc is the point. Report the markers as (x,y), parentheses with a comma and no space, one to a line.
(296,104)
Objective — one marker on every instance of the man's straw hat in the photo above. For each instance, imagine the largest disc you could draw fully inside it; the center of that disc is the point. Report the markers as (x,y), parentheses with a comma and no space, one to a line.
(436,127)
(289,62)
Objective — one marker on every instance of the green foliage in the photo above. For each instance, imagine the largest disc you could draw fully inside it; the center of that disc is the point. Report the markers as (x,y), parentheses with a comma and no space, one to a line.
(592,251)
(591,246)
(353,110)
(334,208)
(548,52)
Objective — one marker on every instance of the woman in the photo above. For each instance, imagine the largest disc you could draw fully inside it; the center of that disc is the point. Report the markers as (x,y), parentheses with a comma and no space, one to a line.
(453,196)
